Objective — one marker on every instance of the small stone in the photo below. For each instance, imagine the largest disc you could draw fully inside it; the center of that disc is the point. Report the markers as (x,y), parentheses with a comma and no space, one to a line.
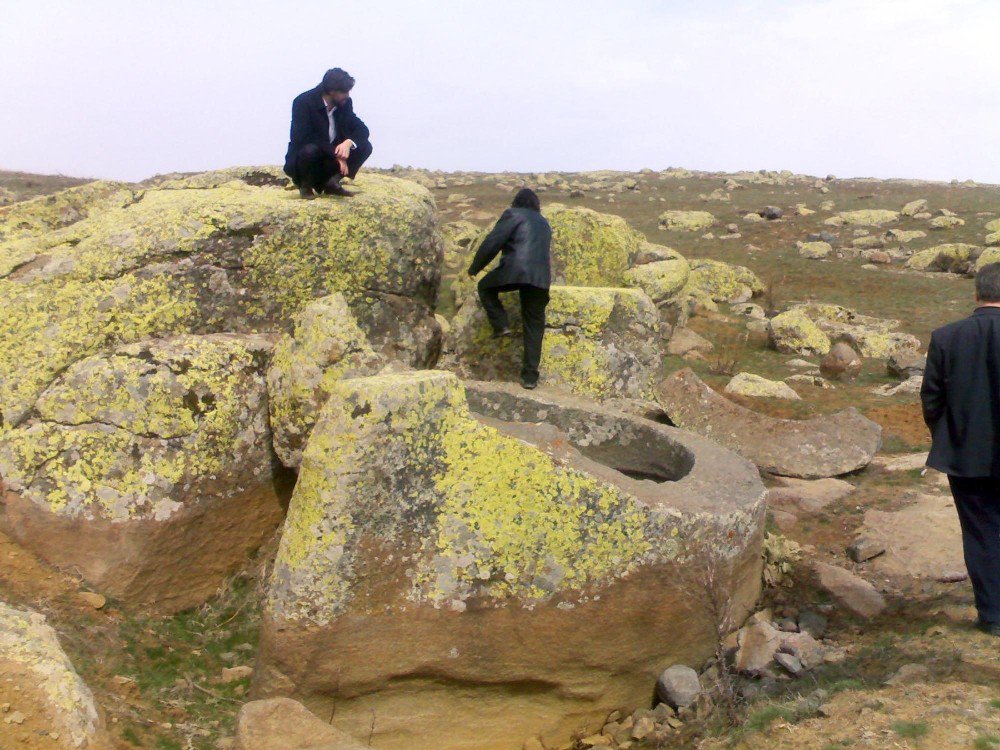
(787,625)
(865,548)
(952,576)
(596,740)
(908,673)
(234,674)
(91,599)
(15,718)
(678,686)
(851,591)
(662,712)
(789,662)
(643,728)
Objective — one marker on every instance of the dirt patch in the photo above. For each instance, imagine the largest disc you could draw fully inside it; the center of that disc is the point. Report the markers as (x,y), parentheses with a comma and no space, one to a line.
(904,422)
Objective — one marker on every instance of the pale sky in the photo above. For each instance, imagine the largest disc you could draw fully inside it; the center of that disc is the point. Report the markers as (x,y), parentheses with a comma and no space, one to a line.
(882,88)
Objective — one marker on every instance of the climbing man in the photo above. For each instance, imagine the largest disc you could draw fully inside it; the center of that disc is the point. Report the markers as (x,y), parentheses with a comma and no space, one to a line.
(522,236)
(961,405)
(328,141)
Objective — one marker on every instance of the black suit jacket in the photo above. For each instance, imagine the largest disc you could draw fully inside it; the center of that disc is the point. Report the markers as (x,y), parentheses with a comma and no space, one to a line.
(524,237)
(961,395)
(311,125)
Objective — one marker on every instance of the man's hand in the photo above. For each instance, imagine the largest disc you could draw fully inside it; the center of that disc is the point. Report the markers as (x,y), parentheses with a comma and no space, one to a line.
(343,150)
(342,163)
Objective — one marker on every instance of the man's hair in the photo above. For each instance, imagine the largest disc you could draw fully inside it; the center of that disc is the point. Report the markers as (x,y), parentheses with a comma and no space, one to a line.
(526,198)
(337,79)
(988,283)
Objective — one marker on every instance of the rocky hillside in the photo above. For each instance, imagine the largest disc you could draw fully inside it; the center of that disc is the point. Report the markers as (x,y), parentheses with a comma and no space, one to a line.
(229,470)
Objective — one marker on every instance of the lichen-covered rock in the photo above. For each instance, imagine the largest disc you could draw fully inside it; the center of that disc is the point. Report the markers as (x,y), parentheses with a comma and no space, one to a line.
(459,238)
(814,250)
(992,226)
(598,342)
(992,239)
(325,345)
(650,252)
(147,470)
(208,253)
(904,236)
(793,332)
(661,280)
(873,337)
(748,384)
(686,221)
(951,257)
(868,217)
(987,256)
(32,660)
(945,222)
(914,207)
(722,282)
(502,548)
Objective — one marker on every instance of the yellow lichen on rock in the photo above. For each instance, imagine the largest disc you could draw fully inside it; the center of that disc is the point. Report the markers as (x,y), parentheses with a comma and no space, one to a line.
(867,217)
(942,257)
(686,221)
(399,455)
(661,280)
(793,332)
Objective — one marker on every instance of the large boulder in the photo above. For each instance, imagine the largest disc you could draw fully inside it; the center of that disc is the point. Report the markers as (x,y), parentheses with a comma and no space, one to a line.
(216,252)
(823,446)
(686,221)
(325,345)
(722,282)
(662,280)
(598,342)
(794,332)
(148,470)
(867,217)
(511,567)
(873,337)
(50,693)
(955,257)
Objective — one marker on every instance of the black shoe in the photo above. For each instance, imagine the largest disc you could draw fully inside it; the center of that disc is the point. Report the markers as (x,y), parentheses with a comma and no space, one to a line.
(529,385)
(333,187)
(993,628)
(502,333)
(306,192)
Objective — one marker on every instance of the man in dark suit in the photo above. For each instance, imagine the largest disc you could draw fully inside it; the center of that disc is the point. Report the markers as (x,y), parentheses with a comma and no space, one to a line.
(523,236)
(328,141)
(961,405)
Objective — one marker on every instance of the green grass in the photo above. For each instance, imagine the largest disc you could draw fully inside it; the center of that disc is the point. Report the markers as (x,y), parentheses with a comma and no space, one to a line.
(913,730)
(986,742)
(762,718)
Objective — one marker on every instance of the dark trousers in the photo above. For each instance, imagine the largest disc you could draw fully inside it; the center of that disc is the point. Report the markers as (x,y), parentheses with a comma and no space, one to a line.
(315,166)
(534,300)
(978,502)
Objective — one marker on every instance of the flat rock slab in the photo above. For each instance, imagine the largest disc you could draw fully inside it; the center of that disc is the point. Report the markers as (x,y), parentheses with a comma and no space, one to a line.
(851,591)
(923,540)
(285,724)
(809,495)
(901,462)
(814,448)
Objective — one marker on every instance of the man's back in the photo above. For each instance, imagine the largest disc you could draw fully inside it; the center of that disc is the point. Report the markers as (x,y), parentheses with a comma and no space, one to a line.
(961,395)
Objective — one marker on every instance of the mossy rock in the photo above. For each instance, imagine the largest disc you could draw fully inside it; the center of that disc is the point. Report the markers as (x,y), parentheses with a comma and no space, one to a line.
(868,217)
(872,337)
(686,221)
(722,282)
(952,257)
(459,238)
(992,226)
(946,222)
(661,280)
(992,239)
(598,342)
(815,250)
(987,256)
(155,460)
(324,346)
(208,253)
(793,332)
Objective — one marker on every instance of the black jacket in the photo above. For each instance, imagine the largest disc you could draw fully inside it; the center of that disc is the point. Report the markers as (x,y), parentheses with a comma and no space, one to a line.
(961,395)
(311,125)
(524,237)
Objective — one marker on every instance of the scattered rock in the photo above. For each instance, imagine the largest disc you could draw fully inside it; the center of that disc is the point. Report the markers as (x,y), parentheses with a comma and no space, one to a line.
(686,221)
(921,540)
(823,446)
(793,332)
(235,674)
(906,364)
(684,341)
(945,222)
(908,673)
(91,599)
(748,384)
(841,362)
(814,250)
(285,724)
(771,212)
(865,548)
(865,218)
(813,623)
(678,686)
(808,495)
(914,207)
(851,591)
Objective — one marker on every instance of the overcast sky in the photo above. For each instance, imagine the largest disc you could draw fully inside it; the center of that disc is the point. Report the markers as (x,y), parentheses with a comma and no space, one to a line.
(884,88)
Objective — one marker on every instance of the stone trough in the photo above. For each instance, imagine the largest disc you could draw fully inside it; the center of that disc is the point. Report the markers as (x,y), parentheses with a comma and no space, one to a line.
(474,567)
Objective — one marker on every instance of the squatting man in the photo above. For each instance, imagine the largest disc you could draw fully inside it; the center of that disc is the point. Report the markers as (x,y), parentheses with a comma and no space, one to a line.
(328,141)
